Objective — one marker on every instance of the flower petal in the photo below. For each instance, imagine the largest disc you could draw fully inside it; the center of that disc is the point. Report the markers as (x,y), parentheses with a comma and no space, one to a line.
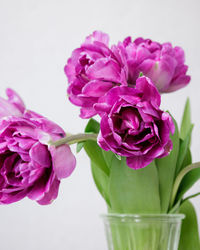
(137,162)
(52,194)
(97,36)
(105,69)
(96,88)
(39,153)
(15,99)
(63,160)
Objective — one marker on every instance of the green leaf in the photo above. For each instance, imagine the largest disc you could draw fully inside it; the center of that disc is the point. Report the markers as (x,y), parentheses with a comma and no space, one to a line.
(188,181)
(184,146)
(108,156)
(186,120)
(79,146)
(92,126)
(187,160)
(100,170)
(95,154)
(189,232)
(186,178)
(166,171)
(175,208)
(133,191)
(93,150)
(101,181)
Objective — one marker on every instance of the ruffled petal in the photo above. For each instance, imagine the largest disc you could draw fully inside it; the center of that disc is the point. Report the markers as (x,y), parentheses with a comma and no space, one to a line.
(15,99)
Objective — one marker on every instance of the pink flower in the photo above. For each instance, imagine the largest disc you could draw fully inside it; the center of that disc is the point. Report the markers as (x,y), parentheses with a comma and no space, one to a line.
(29,165)
(132,124)
(92,70)
(162,63)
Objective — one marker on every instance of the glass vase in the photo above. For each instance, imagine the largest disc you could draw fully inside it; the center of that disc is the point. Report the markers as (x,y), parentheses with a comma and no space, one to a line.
(142,232)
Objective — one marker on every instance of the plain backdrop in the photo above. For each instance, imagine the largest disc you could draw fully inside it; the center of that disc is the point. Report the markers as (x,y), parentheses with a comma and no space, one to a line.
(36,39)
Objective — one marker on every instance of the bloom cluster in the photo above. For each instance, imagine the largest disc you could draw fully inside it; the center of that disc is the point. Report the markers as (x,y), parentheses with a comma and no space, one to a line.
(29,165)
(123,84)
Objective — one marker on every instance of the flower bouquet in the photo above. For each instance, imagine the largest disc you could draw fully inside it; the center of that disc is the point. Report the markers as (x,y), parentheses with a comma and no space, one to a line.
(140,160)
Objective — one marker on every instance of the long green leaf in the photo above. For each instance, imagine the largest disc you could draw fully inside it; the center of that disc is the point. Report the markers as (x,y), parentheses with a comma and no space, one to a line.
(188,181)
(133,191)
(95,154)
(187,160)
(108,156)
(189,239)
(93,150)
(100,170)
(175,208)
(186,120)
(184,146)
(166,171)
(185,172)
(182,190)
(101,181)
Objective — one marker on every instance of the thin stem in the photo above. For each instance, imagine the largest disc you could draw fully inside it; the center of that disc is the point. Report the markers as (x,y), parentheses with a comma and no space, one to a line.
(191,196)
(72,139)
(179,179)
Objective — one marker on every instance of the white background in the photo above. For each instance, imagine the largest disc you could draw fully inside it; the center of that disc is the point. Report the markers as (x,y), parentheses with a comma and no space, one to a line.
(36,38)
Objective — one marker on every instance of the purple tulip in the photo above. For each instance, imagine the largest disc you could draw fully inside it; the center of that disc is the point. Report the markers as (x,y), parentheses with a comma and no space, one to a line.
(30,166)
(132,124)
(162,63)
(92,70)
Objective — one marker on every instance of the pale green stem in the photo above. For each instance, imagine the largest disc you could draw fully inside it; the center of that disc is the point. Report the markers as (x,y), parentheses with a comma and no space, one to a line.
(179,179)
(72,139)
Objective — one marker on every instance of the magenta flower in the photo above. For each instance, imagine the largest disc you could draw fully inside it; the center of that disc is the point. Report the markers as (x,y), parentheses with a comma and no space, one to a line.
(162,63)
(132,124)
(92,70)
(29,165)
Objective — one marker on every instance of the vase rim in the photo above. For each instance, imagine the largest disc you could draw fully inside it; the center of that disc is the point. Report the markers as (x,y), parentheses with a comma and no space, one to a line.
(139,217)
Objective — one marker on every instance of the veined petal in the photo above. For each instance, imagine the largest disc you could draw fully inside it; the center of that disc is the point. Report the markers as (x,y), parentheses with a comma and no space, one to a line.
(105,69)
(63,160)
(40,154)
(96,88)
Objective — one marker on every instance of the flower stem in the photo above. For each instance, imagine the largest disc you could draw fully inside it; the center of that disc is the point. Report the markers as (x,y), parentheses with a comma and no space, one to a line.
(72,139)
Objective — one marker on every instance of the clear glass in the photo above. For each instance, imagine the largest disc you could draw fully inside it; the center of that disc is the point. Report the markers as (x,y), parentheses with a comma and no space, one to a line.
(142,232)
